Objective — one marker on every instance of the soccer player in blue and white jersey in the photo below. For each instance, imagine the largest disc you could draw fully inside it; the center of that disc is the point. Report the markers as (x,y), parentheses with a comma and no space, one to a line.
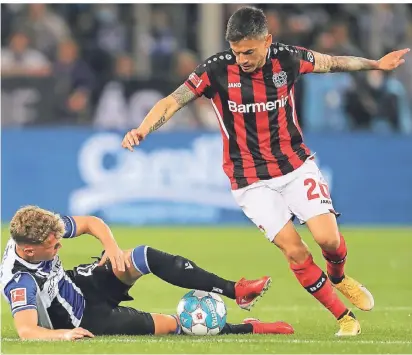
(48,302)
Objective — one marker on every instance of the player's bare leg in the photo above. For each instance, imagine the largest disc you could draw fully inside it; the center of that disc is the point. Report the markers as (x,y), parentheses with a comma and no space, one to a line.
(325,231)
(182,272)
(131,274)
(165,324)
(313,279)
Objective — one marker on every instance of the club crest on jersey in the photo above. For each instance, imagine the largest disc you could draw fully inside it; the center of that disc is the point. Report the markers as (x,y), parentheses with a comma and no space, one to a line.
(18,297)
(280,79)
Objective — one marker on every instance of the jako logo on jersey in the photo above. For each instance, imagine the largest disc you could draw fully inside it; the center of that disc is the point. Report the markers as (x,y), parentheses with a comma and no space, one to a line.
(258,107)
(234,85)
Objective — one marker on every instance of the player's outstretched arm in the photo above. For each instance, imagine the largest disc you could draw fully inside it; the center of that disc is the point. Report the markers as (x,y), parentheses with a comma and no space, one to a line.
(325,63)
(159,115)
(27,328)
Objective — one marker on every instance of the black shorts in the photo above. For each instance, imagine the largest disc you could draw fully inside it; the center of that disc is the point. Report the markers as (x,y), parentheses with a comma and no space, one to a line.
(103,292)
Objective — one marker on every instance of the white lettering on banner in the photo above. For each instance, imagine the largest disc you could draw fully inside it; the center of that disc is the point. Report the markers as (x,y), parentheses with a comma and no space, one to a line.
(189,175)
(115,111)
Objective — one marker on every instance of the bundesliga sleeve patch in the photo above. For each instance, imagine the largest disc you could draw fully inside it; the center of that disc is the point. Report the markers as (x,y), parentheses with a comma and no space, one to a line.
(18,297)
(195,80)
(310,56)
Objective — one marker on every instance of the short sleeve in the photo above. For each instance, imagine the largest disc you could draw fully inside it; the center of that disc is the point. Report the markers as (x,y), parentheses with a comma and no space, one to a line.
(21,293)
(302,59)
(199,81)
(69,227)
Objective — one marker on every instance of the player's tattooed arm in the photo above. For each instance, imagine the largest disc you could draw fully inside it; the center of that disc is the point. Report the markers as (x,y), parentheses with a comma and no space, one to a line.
(325,63)
(161,121)
(159,115)
(180,98)
(183,95)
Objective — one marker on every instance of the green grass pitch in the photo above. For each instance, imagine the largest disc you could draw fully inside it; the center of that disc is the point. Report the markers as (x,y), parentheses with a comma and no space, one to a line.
(379,258)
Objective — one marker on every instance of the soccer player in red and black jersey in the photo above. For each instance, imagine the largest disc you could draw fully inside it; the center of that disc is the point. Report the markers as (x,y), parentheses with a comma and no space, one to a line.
(272,172)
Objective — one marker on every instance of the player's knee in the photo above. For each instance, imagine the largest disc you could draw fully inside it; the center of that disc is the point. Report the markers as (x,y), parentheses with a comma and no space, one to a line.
(329,242)
(297,254)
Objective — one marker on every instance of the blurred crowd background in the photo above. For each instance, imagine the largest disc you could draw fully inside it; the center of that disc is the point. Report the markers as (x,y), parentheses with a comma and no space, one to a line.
(105,65)
(82,74)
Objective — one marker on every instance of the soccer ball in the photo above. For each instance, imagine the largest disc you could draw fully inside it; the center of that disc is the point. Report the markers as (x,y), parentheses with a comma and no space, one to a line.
(201,313)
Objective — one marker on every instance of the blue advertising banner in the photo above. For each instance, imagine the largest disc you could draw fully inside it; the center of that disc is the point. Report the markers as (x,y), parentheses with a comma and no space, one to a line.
(176,178)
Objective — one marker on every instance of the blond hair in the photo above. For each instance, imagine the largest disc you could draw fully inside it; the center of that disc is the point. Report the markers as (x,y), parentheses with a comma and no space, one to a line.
(33,225)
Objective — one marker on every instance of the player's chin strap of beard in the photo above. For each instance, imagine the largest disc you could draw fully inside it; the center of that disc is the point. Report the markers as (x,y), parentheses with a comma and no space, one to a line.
(179,271)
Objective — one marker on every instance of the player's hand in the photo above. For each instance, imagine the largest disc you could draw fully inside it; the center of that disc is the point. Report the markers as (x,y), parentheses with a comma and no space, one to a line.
(132,138)
(392,60)
(76,333)
(116,257)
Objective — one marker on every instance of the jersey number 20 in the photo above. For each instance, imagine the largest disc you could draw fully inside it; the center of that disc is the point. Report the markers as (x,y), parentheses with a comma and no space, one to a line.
(312,186)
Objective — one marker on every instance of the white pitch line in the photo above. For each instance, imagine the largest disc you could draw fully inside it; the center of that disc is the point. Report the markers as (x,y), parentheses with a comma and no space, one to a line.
(211,340)
(298,309)
(292,309)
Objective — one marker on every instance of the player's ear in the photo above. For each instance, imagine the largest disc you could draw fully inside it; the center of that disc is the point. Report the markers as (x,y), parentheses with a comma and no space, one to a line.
(268,40)
(28,250)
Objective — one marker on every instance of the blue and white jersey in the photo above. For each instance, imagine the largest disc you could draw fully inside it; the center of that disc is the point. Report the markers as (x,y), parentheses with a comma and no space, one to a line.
(43,286)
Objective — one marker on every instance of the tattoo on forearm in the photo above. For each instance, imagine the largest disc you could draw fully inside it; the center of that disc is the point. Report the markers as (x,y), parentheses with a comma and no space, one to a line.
(329,64)
(183,95)
(159,123)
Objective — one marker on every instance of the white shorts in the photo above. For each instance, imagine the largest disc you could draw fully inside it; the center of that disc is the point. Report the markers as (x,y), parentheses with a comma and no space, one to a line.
(270,204)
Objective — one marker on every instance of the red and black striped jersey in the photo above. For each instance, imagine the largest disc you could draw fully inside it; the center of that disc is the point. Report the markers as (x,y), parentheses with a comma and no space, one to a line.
(262,138)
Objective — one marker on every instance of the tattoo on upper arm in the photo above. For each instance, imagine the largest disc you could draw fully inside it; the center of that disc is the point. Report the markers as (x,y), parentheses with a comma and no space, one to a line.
(183,95)
(159,123)
(325,63)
